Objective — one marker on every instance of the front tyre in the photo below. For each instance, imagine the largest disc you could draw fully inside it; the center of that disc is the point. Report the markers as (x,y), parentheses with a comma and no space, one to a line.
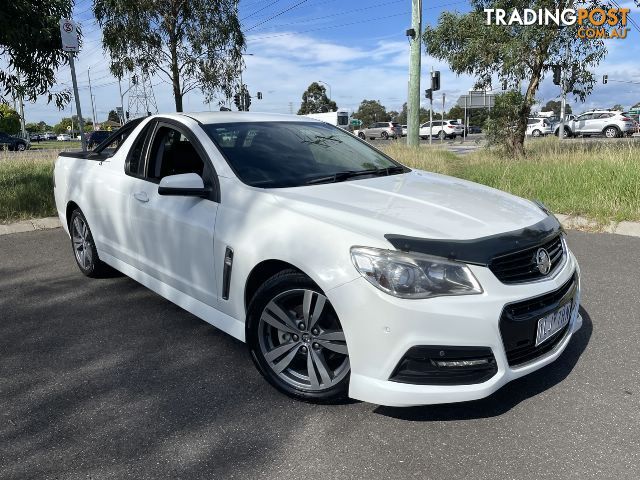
(296,339)
(611,132)
(84,249)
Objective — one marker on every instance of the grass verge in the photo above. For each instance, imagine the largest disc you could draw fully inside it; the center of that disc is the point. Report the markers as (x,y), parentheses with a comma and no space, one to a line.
(597,180)
(26,185)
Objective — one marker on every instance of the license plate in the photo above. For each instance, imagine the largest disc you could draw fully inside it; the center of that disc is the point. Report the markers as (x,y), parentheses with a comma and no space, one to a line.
(553,323)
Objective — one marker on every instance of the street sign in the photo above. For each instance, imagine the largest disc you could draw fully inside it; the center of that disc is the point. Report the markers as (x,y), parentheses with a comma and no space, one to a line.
(355,122)
(477,99)
(69,35)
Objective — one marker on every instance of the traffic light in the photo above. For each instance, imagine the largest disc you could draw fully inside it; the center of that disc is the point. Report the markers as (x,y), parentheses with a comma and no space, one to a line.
(259,95)
(504,85)
(557,74)
(435,81)
(428,93)
(605,79)
(247,101)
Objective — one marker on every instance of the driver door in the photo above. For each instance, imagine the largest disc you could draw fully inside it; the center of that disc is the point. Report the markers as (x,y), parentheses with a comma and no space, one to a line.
(174,235)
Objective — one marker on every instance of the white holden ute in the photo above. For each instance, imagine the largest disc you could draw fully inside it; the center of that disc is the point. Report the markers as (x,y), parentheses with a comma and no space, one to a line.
(345,272)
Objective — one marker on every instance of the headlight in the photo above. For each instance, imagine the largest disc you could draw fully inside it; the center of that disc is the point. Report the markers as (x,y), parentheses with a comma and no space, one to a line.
(408,275)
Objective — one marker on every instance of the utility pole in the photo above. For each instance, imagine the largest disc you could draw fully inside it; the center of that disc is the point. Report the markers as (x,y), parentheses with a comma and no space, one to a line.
(431,110)
(78,109)
(442,137)
(93,107)
(23,129)
(565,81)
(413,102)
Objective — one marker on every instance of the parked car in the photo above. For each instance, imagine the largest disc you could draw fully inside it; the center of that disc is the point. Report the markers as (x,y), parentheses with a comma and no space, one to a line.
(609,123)
(36,137)
(382,130)
(63,137)
(538,127)
(50,136)
(345,272)
(96,137)
(404,130)
(442,129)
(474,129)
(9,142)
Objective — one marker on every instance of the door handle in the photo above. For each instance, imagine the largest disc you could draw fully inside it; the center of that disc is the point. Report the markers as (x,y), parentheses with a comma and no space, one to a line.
(141,197)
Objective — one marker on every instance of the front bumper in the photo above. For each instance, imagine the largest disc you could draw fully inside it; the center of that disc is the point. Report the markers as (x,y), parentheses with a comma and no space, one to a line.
(380,329)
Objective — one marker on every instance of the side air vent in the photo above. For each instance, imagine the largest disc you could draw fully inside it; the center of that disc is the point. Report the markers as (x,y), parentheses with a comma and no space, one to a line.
(226,273)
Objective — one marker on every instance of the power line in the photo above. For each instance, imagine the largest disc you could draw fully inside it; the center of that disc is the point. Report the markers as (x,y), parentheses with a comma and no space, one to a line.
(259,10)
(307,20)
(354,23)
(276,15)
(633,22)
(332,26)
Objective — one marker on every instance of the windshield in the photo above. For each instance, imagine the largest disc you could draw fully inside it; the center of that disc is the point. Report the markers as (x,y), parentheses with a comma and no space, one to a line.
(291,154)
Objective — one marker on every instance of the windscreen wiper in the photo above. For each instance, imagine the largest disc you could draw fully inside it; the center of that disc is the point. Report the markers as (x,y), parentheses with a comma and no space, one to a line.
(346,174)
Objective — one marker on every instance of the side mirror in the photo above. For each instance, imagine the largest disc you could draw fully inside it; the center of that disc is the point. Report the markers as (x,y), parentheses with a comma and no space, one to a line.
(183,185)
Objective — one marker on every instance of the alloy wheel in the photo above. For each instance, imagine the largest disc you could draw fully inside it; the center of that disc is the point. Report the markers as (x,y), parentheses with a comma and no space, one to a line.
(302,341)
(611,132)
(82,243)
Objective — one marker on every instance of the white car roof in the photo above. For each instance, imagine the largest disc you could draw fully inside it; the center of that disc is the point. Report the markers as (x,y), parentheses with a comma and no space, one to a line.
(238,117)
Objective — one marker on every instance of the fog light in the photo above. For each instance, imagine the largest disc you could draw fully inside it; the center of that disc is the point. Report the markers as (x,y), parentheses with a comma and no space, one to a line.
(461,363)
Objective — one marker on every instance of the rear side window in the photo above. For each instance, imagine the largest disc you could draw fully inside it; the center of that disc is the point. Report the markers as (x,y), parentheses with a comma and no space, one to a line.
(135,160)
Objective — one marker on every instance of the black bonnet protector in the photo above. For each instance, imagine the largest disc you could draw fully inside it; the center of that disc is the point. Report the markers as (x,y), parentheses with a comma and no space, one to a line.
(480,251)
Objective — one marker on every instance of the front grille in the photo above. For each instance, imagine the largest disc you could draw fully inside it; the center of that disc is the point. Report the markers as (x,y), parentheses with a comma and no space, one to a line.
(420,366)
(520,267)
(519,322)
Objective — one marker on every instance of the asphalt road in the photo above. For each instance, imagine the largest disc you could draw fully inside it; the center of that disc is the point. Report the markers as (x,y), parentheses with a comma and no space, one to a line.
(105,379)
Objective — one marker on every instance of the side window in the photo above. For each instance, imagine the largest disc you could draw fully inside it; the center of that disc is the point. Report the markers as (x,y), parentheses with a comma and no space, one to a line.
(172,153)
(586,116)
(135,160)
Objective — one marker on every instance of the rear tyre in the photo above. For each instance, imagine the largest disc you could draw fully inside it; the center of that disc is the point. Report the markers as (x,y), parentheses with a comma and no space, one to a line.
(296,340)
(384,135)
(441,135)
(21,147)
(611,132)
(84,249)
(362,136)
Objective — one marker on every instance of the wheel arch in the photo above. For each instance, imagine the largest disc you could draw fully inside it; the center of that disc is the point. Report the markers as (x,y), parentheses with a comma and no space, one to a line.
(262,272)
(71,206)
(611,125)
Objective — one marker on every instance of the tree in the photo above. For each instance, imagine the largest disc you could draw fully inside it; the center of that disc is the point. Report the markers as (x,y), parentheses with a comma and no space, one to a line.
(194,44)
(9,119)
(619,107)
(30,48)
(555,106)
(402,116)
(515,53)
(371,111)
(315,100)
(505,114)
(66,122)
(113,116)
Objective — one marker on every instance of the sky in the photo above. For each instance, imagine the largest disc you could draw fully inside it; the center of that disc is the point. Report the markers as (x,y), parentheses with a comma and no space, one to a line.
(356,47)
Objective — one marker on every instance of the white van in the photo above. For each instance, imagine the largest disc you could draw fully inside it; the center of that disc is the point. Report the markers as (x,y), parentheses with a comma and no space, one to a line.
(339,118)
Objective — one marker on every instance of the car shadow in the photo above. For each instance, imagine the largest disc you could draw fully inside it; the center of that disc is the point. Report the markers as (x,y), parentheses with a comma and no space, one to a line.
(508,396)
